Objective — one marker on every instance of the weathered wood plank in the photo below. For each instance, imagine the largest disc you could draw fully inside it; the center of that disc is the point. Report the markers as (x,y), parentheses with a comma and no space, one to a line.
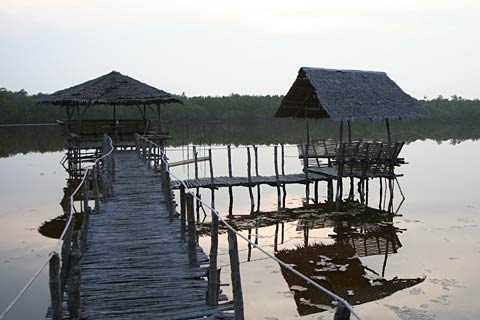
(136,266)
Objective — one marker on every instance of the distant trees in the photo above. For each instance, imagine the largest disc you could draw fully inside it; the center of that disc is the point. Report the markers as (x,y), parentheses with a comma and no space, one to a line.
(19,107)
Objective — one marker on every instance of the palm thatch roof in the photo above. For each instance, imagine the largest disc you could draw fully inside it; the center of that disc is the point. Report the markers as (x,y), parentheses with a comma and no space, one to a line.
(347,95)
(113,88)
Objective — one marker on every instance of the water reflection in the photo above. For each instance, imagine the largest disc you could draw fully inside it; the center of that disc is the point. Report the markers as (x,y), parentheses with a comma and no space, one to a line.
(338,266)
(24,139)
(335,263)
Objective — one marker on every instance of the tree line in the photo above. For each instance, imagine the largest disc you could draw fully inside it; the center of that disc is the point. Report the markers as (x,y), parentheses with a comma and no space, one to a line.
(19,107)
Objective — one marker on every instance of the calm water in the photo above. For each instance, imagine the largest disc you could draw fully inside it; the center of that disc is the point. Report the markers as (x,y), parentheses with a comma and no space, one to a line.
(439,236)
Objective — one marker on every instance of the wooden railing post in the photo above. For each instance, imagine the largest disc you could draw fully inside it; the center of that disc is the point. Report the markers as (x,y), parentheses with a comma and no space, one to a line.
(213,276)
(94,177)
(66,248)
(235,274)
(183,212)
(149,154)
(55,287)
(192,233)
(74,281)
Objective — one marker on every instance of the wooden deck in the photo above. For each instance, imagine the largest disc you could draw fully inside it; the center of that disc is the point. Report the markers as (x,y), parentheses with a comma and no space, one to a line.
(246,182)
(136,265)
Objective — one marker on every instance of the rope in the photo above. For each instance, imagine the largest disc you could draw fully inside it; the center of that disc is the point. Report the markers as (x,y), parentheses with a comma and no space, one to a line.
(280,262)
(60,239)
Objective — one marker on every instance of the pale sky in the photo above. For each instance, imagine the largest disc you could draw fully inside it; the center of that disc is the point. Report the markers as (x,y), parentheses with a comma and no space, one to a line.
(219,47)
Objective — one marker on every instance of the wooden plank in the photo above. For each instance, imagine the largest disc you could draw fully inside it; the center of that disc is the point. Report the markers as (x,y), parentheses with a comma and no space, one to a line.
(136,266)
(188,161)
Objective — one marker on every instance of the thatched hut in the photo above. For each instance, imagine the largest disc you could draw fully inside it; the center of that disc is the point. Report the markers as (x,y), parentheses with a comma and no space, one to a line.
(347,95)
(113,89)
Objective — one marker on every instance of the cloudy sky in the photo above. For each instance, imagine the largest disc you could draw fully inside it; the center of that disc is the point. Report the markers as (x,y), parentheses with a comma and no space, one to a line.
(218,47)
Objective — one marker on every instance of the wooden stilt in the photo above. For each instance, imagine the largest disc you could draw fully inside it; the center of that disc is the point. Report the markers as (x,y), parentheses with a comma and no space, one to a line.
(235,275)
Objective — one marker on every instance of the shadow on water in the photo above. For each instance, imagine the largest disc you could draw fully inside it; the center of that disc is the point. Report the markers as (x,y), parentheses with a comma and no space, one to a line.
(53,228)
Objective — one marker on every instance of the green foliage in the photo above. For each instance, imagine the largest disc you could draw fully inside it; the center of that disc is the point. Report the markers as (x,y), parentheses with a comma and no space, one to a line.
(19,107)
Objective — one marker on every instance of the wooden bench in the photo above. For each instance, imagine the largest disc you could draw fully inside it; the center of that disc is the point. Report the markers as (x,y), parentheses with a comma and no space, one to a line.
(368,159)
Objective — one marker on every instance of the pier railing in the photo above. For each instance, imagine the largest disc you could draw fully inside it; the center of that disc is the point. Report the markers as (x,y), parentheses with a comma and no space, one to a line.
(154,155)
(65,259)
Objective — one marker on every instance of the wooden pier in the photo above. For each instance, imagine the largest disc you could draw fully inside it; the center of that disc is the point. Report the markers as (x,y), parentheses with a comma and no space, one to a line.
(249,182)
(136,265)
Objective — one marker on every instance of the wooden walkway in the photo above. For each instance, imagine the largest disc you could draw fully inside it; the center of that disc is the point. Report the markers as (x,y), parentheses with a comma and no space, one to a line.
(136,266)
(246,182)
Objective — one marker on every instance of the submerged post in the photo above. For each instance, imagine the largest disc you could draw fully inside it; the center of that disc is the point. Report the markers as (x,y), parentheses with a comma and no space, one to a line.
(275,163)
(255,151)
(249,172)
(230,189)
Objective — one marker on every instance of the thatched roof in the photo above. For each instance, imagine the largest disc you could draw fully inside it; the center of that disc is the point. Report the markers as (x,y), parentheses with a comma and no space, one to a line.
(347,95)
(113,88)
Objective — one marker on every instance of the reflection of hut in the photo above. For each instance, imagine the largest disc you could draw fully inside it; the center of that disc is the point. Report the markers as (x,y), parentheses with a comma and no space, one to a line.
(347,95)
(337,268)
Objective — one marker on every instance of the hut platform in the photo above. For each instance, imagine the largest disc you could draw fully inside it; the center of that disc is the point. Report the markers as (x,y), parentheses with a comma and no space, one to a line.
(250,182)
(332,173)
(136,266)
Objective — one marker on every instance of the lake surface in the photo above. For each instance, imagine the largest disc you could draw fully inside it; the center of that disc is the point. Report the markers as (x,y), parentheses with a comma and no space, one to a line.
(438,232)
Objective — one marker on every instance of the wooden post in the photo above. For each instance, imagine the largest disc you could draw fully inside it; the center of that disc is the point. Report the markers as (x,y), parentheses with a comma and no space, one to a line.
(213,279)
(349,132)
(192,233)
(341,133)
(255,151)
(249,172)
(305,170)
(211,167)
(230,189)
(275,163)
(284,188)
(86,192)
(74,285)
(183,212)
(66,249)
(235,274)
(149,154)
(168,192)
(55,287)
(197,193)
(95,188)
(388,131)
(330,190)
